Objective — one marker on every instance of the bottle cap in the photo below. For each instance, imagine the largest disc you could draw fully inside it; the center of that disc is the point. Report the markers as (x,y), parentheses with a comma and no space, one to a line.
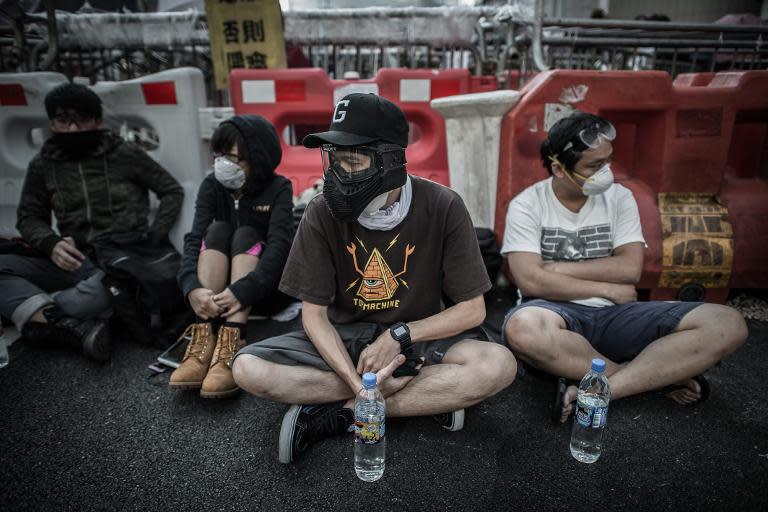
(598,365)
(369,380)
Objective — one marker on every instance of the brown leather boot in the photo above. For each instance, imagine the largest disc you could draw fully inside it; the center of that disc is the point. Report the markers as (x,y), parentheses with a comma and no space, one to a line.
(219,382)
(197,358)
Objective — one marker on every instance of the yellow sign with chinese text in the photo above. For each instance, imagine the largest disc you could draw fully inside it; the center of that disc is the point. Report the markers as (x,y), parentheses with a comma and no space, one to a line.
(244,34)
(697,241)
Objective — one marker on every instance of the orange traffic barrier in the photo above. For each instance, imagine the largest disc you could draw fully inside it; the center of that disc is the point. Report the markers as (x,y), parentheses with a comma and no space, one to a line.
(693,153)
(298,101)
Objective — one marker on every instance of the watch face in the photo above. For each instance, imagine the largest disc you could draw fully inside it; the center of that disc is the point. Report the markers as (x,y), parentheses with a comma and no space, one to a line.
(400,331)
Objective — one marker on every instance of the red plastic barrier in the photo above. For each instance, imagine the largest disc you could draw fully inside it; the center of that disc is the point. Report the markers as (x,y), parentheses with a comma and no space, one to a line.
(745,183)
(703,139)
(483,84)
(292,97)
(515,76)
(693,79)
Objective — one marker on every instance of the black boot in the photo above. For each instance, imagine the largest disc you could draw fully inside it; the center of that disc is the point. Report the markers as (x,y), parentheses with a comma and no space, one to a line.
(89,336)
(37,332)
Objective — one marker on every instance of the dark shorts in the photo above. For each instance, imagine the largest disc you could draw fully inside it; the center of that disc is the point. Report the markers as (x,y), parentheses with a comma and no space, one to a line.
(295,348)
(618,332)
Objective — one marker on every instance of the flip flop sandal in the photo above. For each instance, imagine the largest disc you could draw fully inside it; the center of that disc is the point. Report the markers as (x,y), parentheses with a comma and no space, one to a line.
(557,406)
(703,385)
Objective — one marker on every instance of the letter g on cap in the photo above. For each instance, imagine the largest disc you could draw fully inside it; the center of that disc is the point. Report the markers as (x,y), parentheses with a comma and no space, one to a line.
(339,115)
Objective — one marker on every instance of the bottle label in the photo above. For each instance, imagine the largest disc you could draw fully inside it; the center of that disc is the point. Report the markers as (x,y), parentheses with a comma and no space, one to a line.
(591,417)
(369,433)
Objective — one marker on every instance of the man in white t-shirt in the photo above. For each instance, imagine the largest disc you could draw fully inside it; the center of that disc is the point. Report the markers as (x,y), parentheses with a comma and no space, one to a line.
(575,247)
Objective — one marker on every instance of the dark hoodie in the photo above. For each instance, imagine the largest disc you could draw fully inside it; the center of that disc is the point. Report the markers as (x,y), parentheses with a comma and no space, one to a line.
(101,192)
(266,204)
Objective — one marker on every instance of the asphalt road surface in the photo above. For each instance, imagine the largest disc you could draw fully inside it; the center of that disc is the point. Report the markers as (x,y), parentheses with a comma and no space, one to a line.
(76,435)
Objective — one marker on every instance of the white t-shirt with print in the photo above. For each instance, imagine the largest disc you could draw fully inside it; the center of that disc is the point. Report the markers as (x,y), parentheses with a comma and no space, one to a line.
(538,222)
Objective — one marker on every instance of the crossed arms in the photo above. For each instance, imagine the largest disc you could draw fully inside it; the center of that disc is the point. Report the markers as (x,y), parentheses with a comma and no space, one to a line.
(612,278)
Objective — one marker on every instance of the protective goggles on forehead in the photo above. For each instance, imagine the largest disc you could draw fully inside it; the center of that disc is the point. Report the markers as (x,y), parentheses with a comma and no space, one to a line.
(593,134)
(352,164)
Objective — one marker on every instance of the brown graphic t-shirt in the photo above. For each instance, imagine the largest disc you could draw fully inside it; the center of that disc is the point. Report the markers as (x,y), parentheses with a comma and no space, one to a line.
(388,276)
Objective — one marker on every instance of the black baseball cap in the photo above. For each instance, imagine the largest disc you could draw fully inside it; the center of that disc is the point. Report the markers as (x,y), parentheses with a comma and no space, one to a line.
(361,119)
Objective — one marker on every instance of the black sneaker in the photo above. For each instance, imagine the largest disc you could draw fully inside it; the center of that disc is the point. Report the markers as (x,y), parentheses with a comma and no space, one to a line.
(37,332)
(453,421)
(95,342)
(90,336)
(307,424)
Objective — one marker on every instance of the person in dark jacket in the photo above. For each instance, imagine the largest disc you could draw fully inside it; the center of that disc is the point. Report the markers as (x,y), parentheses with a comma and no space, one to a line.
(235,253)
(95,184)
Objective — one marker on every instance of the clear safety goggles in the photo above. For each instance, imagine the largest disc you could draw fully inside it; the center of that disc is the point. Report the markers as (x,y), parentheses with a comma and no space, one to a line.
(353,164)
(71,116)
(592,135)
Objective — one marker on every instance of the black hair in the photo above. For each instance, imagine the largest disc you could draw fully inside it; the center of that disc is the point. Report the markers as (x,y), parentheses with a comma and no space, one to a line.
(77,97)
(564,131)
(226,136)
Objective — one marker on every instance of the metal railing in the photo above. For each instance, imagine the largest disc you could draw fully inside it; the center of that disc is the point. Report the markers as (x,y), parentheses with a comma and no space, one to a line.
(487,40)
(672,47)
(605,44)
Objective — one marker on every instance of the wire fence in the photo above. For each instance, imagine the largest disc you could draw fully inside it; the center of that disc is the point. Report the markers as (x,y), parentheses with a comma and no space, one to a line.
(489,44)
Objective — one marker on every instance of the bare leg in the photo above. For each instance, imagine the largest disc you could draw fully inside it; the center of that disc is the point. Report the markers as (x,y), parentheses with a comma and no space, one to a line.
(242,265)
(471,371)
(212,269)
(538,336)
(288,384)
(703,337)
(38,316)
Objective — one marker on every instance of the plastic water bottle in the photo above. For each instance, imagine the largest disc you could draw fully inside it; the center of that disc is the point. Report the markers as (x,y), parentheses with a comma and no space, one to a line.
(4,342)
(370,444)
(591,414)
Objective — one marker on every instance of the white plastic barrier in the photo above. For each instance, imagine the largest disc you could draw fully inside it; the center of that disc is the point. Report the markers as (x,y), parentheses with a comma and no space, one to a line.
(473,131)
(161,113)
(23,129)
(211,117)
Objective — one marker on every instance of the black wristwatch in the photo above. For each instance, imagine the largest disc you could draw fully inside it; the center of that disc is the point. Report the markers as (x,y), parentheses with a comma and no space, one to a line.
(401,334)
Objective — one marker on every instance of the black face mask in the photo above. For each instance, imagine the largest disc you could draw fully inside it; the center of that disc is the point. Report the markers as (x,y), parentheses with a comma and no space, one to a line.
(78,144)
(346,201)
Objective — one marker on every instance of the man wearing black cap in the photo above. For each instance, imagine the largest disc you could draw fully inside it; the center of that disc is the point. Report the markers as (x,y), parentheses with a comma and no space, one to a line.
(391,278)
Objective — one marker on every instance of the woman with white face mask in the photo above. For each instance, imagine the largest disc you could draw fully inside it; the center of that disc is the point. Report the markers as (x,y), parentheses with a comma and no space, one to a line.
(235,253)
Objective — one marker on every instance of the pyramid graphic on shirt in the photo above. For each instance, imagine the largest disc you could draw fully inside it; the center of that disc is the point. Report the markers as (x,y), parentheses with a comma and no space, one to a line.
(379,283)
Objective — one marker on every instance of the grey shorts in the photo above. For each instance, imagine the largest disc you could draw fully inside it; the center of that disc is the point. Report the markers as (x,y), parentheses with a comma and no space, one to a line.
(618,332)
(295,348)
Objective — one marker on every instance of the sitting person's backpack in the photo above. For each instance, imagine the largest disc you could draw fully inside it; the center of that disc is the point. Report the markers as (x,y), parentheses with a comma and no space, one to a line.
(486,239)
(141,276)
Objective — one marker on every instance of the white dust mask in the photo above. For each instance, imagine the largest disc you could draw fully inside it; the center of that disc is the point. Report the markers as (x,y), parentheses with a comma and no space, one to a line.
(229,174)
(598,182)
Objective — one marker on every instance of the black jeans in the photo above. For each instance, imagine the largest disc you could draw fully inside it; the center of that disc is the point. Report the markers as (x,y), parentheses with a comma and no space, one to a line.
(29,283)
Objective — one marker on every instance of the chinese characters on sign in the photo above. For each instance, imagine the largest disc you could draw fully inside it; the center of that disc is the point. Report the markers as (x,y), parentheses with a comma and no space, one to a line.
(697,241)
(252,30)
(244,34)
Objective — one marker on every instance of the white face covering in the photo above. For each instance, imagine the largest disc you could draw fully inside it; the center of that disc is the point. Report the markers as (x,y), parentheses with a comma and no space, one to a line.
(390,217)
(598,182)
(376,203)
(229,174)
